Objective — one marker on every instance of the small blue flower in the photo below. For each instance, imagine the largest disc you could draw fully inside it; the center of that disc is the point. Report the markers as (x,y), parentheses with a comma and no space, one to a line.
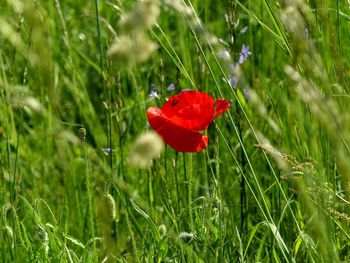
(107,150)
(154,90)
(171,87)
(154,94)
(244,54)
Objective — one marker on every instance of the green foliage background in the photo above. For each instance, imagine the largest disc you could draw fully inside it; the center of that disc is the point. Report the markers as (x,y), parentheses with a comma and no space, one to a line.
(273,184)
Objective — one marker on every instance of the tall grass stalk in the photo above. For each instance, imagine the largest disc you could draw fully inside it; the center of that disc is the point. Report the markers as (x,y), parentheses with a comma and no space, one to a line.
(89,212)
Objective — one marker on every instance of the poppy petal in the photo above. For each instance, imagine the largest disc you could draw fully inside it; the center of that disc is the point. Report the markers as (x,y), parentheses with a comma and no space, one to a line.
(178,137)
(221,105)
(191,109)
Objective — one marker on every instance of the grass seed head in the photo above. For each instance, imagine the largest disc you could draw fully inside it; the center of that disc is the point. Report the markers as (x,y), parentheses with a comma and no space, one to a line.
(137,48)
(147,147)
(143,16)
(187,237)
(162,230)
(111,206)
(8,234)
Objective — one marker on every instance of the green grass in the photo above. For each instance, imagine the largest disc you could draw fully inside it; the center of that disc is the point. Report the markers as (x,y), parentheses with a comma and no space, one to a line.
(273,184)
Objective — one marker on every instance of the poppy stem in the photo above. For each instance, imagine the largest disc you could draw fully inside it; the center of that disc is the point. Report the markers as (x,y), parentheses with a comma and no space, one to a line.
(190,190)
(177,183)
(185,174)
(188,187)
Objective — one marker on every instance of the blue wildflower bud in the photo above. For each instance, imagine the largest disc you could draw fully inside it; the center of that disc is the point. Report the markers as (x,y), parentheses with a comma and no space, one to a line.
(154,94)
(244,54)
(233,82)
(171,87)
(107,150)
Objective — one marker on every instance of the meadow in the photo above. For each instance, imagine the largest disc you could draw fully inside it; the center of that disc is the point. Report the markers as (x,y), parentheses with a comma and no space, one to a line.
(83,178)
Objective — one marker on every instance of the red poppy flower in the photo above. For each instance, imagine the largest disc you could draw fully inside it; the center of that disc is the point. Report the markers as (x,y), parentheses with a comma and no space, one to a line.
(181,118)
